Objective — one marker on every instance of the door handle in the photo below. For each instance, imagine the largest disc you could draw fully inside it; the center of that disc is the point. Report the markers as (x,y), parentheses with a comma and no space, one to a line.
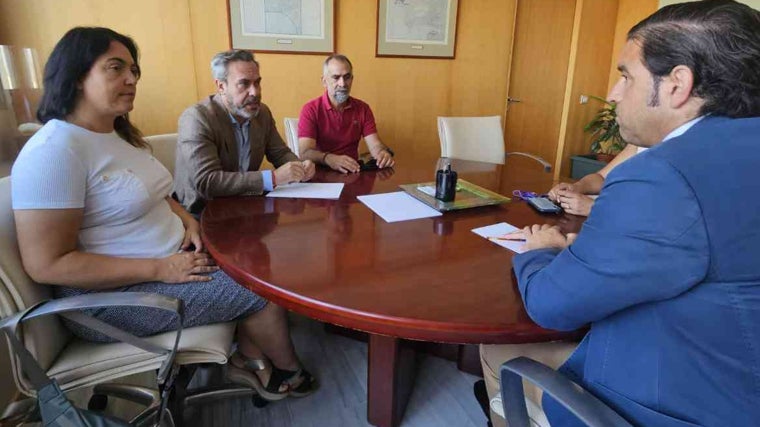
(511,100)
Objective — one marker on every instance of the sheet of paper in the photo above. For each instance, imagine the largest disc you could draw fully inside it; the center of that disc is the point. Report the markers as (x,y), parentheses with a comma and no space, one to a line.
(397,206)
(308,190)
(427,189)
(490,232)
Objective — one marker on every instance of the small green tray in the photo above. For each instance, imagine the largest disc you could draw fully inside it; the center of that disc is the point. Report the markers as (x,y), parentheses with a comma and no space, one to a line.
(468,195)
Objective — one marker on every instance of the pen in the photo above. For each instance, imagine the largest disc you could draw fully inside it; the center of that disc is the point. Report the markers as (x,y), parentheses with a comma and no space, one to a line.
(504,238)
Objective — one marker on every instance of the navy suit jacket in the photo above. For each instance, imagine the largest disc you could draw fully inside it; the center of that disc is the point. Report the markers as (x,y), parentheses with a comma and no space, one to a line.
(667,271)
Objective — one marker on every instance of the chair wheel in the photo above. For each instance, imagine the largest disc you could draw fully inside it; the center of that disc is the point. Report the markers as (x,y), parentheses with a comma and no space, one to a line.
(98,403)
(259,401)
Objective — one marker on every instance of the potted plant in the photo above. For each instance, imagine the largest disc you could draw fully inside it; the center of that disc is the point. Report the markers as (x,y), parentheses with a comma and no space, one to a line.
(606,141)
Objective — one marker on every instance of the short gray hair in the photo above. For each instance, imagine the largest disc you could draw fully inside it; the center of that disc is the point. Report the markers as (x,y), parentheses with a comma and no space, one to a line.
(220,61)
(337,57)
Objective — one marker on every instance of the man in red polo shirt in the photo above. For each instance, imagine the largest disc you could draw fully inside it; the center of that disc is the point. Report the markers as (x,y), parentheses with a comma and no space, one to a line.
(330,127)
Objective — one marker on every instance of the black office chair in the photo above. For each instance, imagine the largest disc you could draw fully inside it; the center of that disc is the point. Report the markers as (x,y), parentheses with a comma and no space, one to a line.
(590,410)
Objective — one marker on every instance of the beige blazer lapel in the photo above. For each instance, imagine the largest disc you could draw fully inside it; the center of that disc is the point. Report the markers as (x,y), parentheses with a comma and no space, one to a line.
(229,149)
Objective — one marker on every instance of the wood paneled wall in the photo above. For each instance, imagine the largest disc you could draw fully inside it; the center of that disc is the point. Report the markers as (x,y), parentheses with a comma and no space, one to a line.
(178,38)
(588,71)
(588,75)
(543,33)
(405,94)
(630,12)
(160,28)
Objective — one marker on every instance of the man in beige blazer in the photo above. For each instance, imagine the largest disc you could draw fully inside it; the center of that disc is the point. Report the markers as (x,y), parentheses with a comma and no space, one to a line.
(224,138)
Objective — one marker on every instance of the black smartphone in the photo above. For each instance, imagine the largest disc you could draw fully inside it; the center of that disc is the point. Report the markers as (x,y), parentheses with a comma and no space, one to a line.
(544,205)
(369,165)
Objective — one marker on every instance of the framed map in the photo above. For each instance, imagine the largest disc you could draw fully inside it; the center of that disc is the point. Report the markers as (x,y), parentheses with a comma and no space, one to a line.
(416,28)
(296,26)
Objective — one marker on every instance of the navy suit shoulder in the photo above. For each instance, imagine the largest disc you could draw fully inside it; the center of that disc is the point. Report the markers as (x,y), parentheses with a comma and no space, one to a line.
(720,158)
(664,266)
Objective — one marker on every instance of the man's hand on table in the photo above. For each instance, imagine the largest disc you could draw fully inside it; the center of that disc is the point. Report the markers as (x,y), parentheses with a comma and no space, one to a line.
(542,236)
(309,169)
(342,163)
(294,172)
(383,158)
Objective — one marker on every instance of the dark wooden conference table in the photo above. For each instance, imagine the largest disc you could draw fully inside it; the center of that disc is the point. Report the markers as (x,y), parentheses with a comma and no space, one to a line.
(428,279)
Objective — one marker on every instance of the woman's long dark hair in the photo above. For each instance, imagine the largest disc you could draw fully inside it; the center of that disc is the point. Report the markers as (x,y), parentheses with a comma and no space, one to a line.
(71,60)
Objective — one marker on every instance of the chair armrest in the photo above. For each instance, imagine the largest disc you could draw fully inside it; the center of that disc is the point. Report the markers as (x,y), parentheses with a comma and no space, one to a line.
(589,409)
(68,307)
(547,166)
(99,300)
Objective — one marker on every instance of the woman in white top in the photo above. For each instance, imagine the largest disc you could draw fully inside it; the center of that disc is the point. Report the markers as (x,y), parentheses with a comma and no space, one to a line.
(93,212)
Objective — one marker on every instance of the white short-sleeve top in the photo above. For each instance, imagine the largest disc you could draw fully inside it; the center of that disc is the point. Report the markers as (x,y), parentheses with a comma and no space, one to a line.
(121,188)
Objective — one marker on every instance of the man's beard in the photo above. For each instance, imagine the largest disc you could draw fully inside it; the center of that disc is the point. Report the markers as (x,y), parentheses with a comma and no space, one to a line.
(341,96)
(240,110)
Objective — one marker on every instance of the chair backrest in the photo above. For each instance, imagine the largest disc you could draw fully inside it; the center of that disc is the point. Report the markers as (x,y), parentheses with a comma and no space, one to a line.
(291,133)
(44,337)
(164,149)
(479,139)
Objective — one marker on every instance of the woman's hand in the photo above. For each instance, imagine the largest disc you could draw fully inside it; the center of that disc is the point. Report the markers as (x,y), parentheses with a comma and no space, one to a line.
(192,227)
(193,237)
(575,203)
(562,186)
(186,267)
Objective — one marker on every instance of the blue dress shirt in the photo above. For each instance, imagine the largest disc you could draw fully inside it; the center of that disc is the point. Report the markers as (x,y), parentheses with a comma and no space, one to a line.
(244,150)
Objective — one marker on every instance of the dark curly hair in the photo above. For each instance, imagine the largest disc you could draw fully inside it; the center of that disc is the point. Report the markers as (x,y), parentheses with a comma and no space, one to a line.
(719,40)
(72,58)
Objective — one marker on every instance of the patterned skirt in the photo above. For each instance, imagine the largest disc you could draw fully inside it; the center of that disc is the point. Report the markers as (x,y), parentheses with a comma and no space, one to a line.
(218,300)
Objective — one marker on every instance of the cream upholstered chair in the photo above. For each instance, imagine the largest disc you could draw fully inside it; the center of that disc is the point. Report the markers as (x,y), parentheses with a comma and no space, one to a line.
(291,133)
(164,149)
(76,363)
(479,139)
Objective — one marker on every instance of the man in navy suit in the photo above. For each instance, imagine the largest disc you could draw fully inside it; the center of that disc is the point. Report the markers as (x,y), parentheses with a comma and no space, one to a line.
(666,268)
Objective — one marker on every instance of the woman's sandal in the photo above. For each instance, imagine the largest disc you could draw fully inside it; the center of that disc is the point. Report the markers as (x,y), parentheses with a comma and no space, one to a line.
(245,374)
(300,383)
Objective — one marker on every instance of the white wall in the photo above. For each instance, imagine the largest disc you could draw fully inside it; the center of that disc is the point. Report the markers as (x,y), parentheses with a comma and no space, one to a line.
(752,3)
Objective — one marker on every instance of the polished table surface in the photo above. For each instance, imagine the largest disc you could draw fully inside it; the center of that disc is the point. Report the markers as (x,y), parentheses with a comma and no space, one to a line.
(429,279)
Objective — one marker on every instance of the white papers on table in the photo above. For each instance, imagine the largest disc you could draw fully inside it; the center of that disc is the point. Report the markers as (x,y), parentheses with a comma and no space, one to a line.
(397,206)
(490,232)
(308,190)
(427,189)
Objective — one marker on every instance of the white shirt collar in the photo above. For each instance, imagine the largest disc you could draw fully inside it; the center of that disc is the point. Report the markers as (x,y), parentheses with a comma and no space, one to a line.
(683,128)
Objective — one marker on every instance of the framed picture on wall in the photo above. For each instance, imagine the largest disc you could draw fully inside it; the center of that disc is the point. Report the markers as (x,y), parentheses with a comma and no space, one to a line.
(417,28)
(285,26)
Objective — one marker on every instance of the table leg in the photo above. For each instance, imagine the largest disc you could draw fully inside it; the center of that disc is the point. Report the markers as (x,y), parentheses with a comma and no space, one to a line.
(468,359)
(390,379)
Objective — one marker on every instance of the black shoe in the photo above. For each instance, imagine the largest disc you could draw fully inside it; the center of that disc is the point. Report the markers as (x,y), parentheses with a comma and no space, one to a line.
(481,395)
